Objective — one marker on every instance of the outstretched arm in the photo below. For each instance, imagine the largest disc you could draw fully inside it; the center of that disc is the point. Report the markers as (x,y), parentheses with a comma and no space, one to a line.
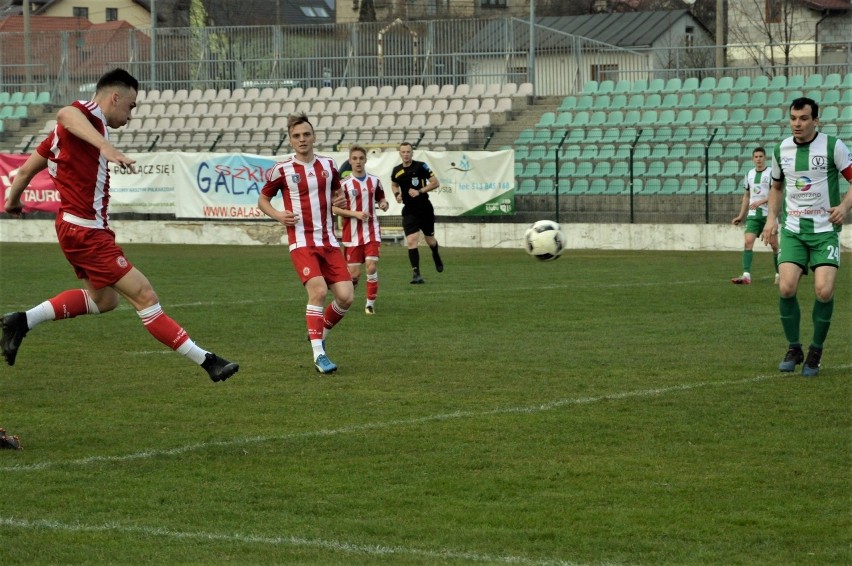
(31,167)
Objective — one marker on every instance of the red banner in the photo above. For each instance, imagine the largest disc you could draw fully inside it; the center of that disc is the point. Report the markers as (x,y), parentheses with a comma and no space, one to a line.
(40,196)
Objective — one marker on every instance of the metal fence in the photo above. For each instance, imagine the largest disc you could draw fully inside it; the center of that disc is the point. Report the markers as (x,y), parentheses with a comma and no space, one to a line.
(426,52)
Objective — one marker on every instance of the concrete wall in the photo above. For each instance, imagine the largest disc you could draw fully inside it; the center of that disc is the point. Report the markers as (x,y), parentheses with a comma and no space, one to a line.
(713,237)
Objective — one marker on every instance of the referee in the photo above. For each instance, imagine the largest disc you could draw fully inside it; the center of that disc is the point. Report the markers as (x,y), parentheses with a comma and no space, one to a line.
(411,182)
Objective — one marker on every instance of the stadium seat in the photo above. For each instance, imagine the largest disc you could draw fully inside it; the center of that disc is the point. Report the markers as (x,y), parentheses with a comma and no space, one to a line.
(796,82)
(742,83)
(585,102)
(602,102)
(758,99)
(707,83)
(687,100)
(690,84)
(722,100)
(829,113)
(605,87)
(760,83)
(670,101)
(567,169)
(590,87)
(832,80)
(657,85)
(814,81)
(568,103)
(673,85)
(622,87)
(831,96)
(725,83)
(526,187)
(639,86)
(546,120)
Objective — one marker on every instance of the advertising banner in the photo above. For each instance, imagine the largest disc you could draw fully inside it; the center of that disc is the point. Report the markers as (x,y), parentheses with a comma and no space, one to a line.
(40,196)
(226,186)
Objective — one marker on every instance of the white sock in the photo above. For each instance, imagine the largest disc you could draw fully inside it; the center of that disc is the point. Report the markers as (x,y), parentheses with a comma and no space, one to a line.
(191,351)
(40,313)
(316,346)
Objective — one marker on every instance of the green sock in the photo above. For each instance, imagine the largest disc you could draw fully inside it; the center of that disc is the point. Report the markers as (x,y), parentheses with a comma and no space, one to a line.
(790,318)
(822,321)
(747,257)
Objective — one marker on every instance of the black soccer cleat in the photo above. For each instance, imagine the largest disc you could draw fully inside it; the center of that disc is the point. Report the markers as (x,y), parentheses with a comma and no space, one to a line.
(416,279)
(219,369)
(792,358)
(811,365)
(14,329)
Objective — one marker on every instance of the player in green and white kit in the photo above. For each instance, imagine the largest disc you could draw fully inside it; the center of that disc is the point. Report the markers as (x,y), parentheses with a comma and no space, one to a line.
(754,210)
(808,170)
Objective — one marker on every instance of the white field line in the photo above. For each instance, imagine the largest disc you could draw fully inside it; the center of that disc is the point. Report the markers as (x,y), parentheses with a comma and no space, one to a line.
(549,406)
(332,545)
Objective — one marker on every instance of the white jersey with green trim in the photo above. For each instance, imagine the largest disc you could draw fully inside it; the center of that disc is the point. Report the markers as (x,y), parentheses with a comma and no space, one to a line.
(758,183)
(811,174)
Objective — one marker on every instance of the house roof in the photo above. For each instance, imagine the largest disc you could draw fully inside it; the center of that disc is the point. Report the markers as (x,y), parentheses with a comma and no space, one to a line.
(830,5)
(622,29)
(45,23)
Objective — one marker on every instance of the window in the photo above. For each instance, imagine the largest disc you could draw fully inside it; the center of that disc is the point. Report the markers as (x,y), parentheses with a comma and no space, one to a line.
(689,39)
(112,14)
(492,3)
(608,72)
(314,11)
(80,12)
(773,11)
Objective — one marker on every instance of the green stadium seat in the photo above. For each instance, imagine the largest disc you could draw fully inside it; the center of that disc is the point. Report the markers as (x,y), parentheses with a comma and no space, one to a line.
(846,96)
(681,134)
(598,118)
(615,118)
(621,169)
(619,101)
(701,133)
(755,115)
(656,168)
(537,152)
(526,136)
(814,81)
(527,187)
(611,135)
(522,152)
(731,168)
(581,118)
(590,87)
(684,117)
(671,186)
(632,117)
(670,100)
(578,186)
(570,152)
(733,151)
(545,186)
(563,119)
(739,99)
(651,186)
(666,117)
(584,169)
(627,135)
(687,100)
(598,186)
(548,169)
(575,135)
(753,134)
(622,87)
(567,170)
(705,100)
(795,82)
(677,150)
(773,133)
(43,98)
(532,169)
(847,81)
(594,134)
(541,136)
(760,83)
(728,186)
(815,95)
(758,99)
(778,82)
(16,98)
(656,85)
(722,100)
(622,153)
(589,152)
(846,114)
(585,102)
(616,186)
(737,116)
(690,186)
(568,103)
(707,83)
(4,98)
(673,85)
(639,86)
(606,151)
(605,87)
(693,167)
(546,120)
(29,97)
(695,151)
(713,167)
(690,84)
(776,98)
(725,83)
(601,102)
(844,132)
(640,168)
(519,168)
(636,101)
(829,129)
(654,100)
(831,96)
(702,116)
(742,83)
(828,113)
(674,169)
(20,113)
(832,80)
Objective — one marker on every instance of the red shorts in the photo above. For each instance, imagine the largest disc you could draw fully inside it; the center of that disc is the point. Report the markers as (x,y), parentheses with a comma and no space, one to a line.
(93,253)
(326,262)
(355,255)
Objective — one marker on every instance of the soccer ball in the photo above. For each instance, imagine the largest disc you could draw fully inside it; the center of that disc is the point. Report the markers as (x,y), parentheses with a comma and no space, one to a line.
(544,240)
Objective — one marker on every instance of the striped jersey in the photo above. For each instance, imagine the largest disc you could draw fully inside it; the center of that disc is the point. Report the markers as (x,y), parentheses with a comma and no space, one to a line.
(361,196)
(812,175)
(79,171)
(307,190)
(758,183)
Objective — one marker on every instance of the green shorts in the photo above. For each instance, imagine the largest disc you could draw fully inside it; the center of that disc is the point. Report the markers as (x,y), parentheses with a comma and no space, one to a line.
(755,225)
(809,250)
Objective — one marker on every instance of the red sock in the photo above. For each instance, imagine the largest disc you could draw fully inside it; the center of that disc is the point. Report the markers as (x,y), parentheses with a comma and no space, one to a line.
(372,290)
(313,318)
(71,303)
(162,327)
(333,314)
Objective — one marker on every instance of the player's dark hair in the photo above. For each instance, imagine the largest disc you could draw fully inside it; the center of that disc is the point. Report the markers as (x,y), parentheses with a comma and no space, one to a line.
(800,103)
(758,150)
(117,77)
(406,143)
(294,120)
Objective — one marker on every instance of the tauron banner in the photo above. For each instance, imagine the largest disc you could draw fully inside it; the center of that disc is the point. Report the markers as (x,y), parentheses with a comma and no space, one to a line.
(40,196)
(226,186)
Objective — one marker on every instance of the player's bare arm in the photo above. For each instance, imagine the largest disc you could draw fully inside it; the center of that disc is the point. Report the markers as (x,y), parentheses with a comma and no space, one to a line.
(743,209)
(383,205)
(73,120)
(31,167)
(397,192)
(359,215)
(770,229)
(285,217)
(839,212)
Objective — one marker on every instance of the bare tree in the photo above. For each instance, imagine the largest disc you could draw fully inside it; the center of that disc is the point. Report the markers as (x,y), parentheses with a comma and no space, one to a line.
(767,31)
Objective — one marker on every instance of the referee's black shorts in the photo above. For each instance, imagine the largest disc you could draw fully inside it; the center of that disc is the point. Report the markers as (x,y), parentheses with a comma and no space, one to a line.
(423,221)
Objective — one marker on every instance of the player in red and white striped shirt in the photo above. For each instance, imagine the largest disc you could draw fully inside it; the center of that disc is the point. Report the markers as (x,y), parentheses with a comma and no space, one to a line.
(310,187)
(362,235)
(77,154)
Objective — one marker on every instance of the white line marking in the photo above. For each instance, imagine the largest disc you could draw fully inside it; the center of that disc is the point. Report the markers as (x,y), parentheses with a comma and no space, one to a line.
(378,425)
(333,545)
